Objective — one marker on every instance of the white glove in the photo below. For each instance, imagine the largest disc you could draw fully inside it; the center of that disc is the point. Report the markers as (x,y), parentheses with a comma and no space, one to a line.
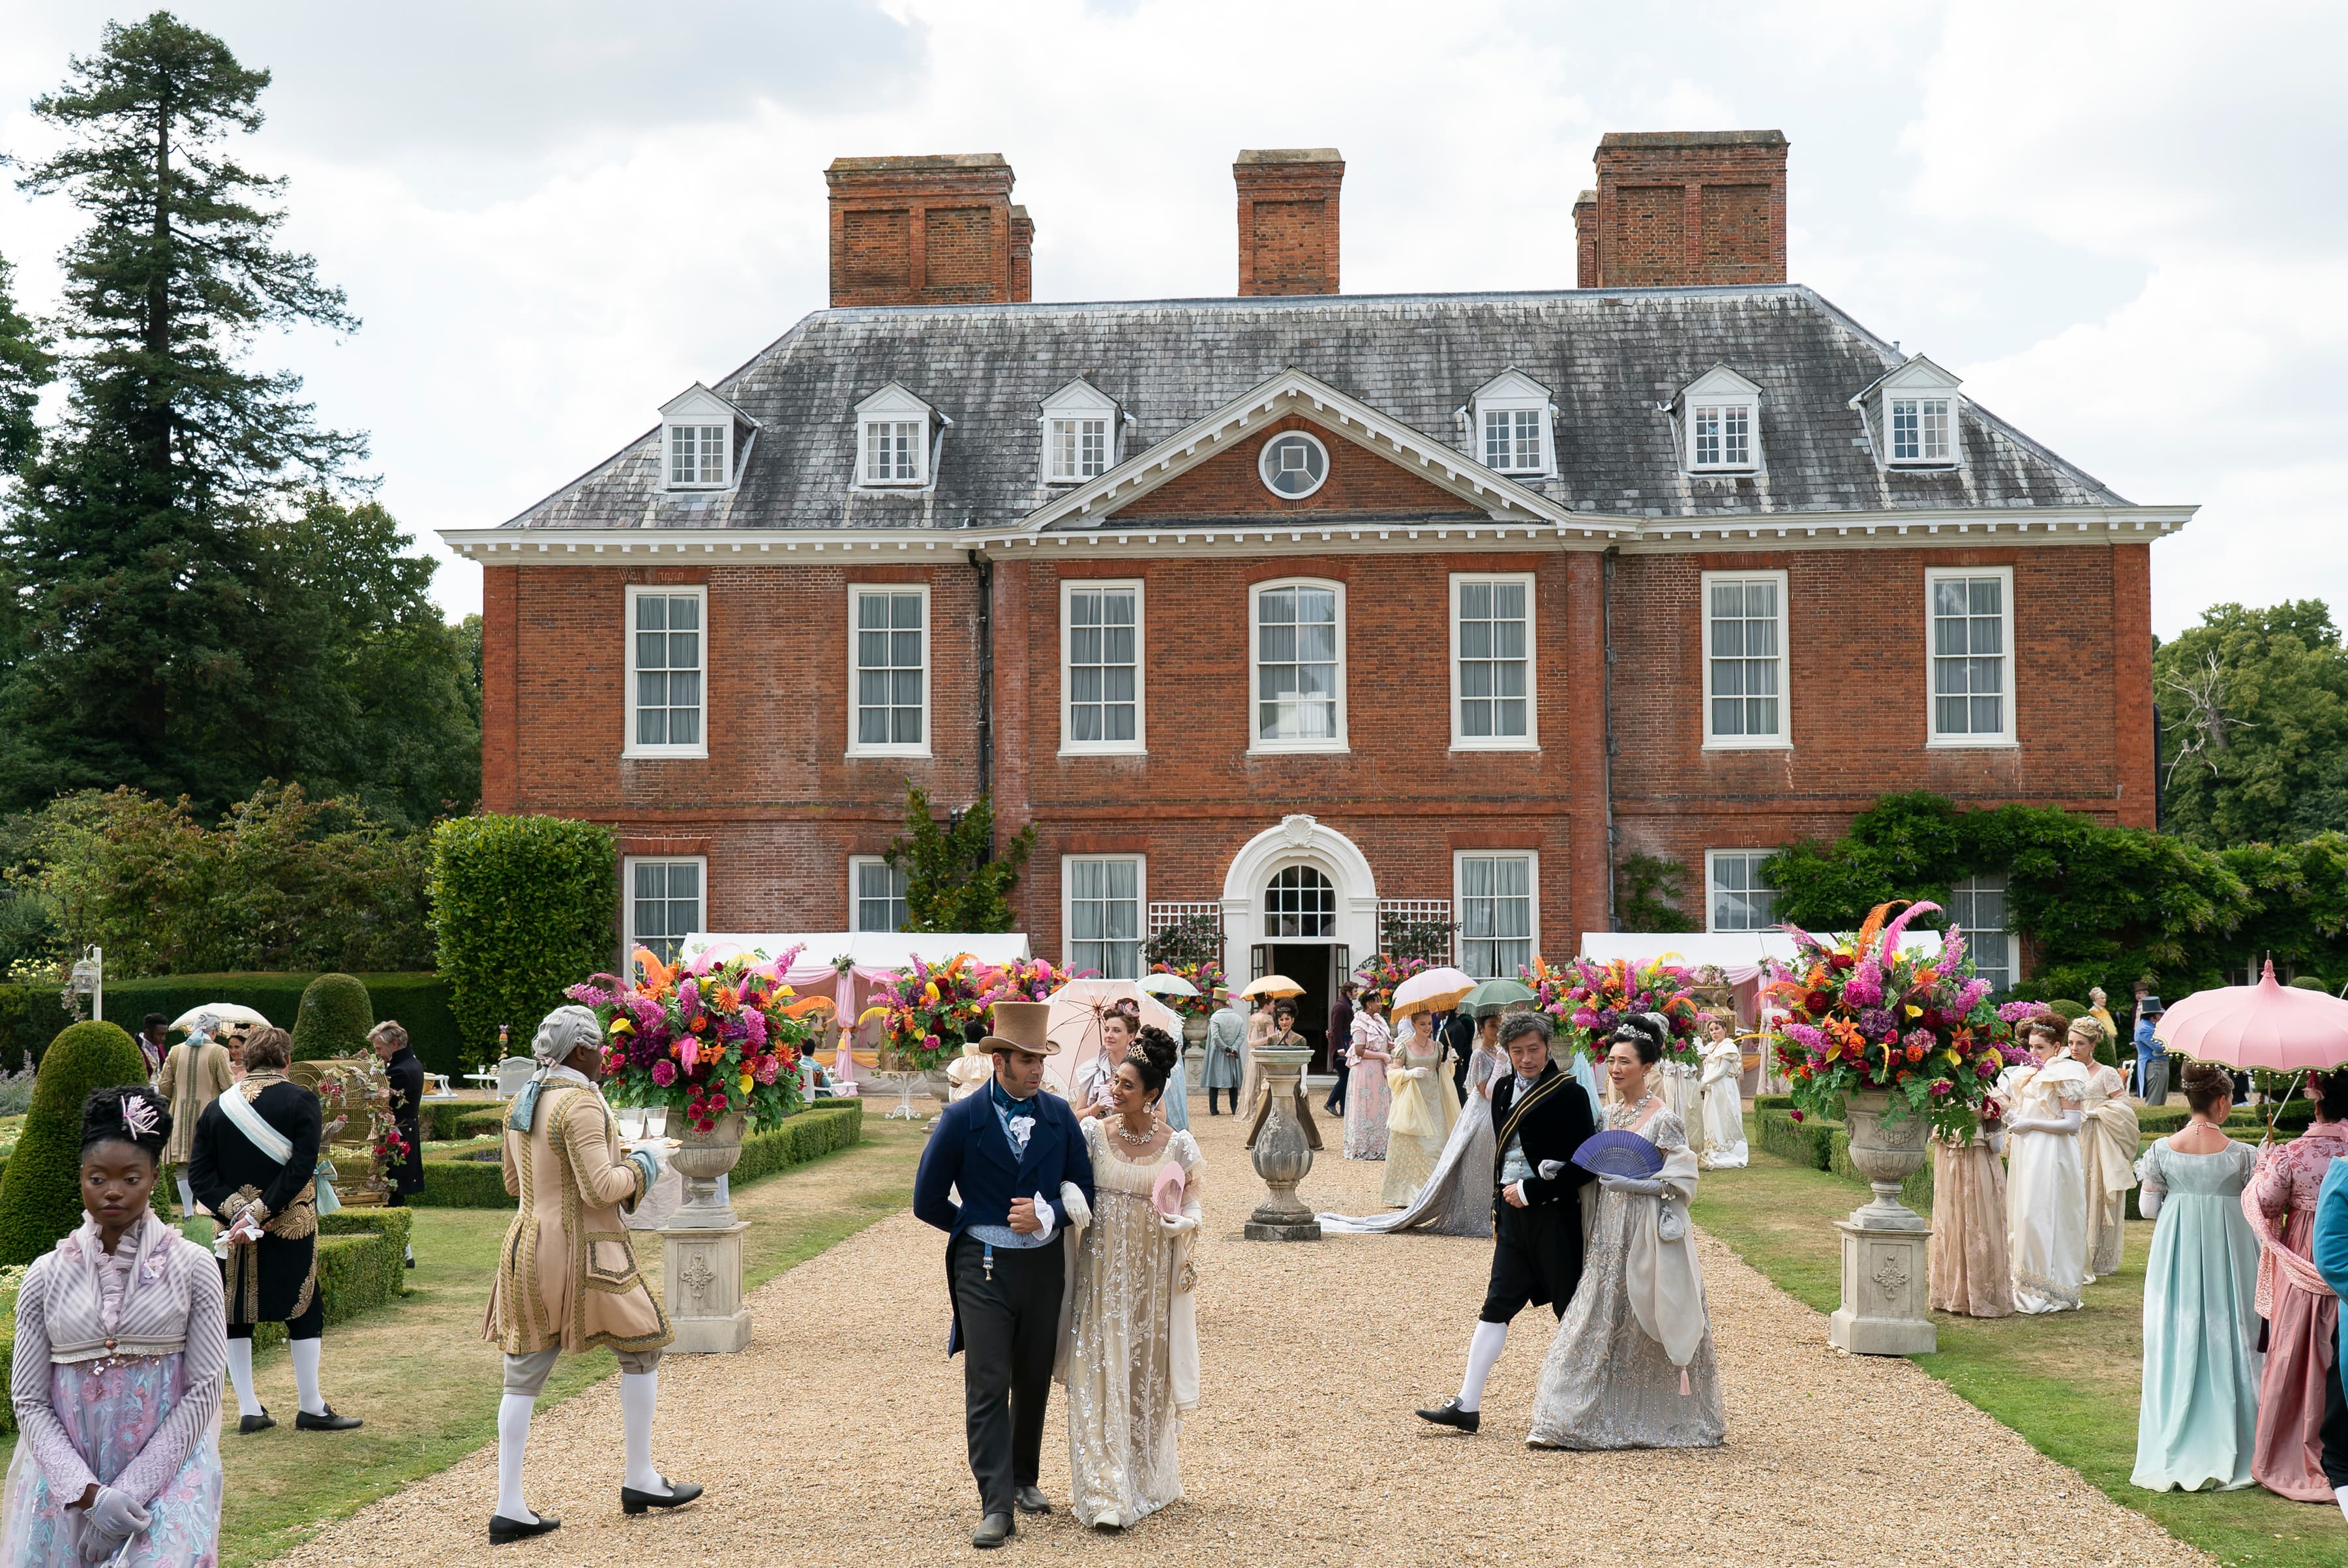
(113,1520)
(1045,1217)
(1550,1170)
(1414,1073)
(1632,1186)
(1177,1224)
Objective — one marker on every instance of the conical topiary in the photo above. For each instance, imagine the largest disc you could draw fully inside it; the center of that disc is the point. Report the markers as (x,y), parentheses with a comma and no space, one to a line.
(40,1198)
(335,1019)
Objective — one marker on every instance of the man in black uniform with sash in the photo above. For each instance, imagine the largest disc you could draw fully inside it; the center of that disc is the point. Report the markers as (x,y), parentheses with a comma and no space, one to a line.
(255,1166)
(406,1076)
(1540,1117)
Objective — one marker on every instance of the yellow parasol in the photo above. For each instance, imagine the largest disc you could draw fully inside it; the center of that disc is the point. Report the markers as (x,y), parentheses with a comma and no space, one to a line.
(1272,985)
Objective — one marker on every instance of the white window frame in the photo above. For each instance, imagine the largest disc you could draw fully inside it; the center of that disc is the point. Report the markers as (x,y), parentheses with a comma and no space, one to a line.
(2006,935)
(1531,740)
(629,747)
(1257,745)
(1933,738)
(1075,404)
(1722,390)
(1916,380)
(929,663)
(669,429)
(628,865)
(1722,408)
(857,864)
(1263,458)
(893,406)
(1140,745)
(1141,906)
(1784,739)
(1459,858)
(1924,457)
(1711,881)
(1512,392)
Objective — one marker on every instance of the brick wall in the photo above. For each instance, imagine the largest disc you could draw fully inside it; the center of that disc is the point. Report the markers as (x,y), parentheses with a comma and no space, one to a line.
(1288,228)
(1361,483)
(1681,207)
(927,230)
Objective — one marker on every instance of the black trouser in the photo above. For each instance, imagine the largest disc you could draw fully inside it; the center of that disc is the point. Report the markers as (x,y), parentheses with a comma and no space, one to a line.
(311,1324)
(1536,1257)
(1009,1329)
(2334,1430)
(1212,1092)
(1336,1104)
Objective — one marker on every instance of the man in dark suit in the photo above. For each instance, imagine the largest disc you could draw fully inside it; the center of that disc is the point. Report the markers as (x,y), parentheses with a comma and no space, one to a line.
(1459,1039)
(404,1073)
(1341,1042)
(1540,1117)
(1011,1151)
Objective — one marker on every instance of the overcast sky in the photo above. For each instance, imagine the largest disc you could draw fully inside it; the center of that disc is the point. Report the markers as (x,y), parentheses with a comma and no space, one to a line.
(2121,223)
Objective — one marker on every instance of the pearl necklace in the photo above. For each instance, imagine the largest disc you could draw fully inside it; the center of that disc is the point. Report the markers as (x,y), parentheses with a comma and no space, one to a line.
(1142,1137)
(1625,1115)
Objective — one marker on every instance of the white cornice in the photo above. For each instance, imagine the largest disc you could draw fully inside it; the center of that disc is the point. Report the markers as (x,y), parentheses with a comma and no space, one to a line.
(2023,527)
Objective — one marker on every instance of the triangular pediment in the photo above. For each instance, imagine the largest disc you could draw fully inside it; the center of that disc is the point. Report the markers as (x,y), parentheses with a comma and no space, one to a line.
(698,402)
(1719,381)
(1294,399)
(893,401)
(1916,374)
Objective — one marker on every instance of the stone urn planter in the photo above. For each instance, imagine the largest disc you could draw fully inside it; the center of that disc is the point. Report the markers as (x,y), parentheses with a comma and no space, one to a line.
(1283,1155)
(701,1158)
(1194,1049)
(1886,1259)
(937,1086)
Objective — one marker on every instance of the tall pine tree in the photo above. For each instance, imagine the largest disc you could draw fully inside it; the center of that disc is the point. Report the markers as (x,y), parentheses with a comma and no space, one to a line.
(135,537)
(26,366)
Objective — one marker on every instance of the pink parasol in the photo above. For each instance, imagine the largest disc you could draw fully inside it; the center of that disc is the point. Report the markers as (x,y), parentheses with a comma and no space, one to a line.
(2280,1027)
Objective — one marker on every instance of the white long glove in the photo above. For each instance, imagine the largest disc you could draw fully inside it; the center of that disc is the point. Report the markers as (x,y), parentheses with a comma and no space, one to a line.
(1177,1224)
(113,1520)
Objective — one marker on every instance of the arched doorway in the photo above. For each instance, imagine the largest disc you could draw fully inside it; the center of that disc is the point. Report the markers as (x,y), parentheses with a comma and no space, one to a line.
(1298,899)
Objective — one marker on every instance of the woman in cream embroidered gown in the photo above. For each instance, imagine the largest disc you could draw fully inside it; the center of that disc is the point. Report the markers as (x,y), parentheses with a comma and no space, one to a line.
(1129,1338)
(1456,1199)
(1420,1122)
(1368,1096)
(2047,1195)
(1633,1366)
(2108,1136)
(1724,1104)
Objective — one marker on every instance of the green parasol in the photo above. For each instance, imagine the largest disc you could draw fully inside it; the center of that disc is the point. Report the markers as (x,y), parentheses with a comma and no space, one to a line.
(1495,996)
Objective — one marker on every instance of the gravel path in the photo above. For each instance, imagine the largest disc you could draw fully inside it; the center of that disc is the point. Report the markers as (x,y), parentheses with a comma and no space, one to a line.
(837,1437)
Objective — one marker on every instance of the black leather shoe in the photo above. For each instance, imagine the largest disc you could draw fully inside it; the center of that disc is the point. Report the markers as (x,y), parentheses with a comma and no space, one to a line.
(327,1422)
(260,1423)
(680,1492)
(994,1531)
(502,1530)
(1449,1414)
(1030,1500)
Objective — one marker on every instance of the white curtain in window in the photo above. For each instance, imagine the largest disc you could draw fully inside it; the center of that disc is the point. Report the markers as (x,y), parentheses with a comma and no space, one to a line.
(1105,917)
(1496,914)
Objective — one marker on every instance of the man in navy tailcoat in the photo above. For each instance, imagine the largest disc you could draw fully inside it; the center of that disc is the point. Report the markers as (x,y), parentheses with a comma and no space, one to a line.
(1007,1151)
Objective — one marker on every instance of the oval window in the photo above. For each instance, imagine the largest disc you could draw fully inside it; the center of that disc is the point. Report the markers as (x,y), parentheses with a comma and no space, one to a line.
(1294,465)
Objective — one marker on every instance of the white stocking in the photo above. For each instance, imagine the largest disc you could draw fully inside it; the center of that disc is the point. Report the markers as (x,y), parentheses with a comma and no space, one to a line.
(240,1373)
(639,1396)
(1482,1351)
(513,1437)
(187,1195)
(2340,1495)
(306,1374)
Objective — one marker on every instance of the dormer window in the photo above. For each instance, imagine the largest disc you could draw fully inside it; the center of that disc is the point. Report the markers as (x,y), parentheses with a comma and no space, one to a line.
(1512,416)
(1721,422)
(893,439)
(1912,414)
(1081,424)
(701,434)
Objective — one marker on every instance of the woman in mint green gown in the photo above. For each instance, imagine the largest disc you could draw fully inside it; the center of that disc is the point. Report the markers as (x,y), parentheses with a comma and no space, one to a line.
(2197,1425)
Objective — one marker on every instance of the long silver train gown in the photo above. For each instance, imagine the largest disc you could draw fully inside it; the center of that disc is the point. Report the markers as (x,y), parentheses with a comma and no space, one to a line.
(1455,1199)
(1604,1384)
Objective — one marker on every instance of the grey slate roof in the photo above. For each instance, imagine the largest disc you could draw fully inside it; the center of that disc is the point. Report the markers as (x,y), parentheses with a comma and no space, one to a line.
(1609,355)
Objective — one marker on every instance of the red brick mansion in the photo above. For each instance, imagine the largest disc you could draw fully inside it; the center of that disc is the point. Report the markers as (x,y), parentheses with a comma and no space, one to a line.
(1302,608)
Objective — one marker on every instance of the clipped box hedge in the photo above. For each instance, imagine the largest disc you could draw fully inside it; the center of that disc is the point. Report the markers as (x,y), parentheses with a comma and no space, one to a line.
(1916,1192)
(419,1001)
(1809,1142)
(30,1018)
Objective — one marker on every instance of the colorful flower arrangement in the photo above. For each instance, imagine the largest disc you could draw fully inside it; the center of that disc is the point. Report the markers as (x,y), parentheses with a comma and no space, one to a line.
(390,1148)
(924,1010)
(1023,980)
(1207,974)
(710,1038)
(1861,1015)
(1379,978)
(1588,998)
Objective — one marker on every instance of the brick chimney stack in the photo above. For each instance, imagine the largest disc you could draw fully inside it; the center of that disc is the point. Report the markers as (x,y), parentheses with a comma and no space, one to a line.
(1585,240)
(1686,208)
(927,230)
(1288,219)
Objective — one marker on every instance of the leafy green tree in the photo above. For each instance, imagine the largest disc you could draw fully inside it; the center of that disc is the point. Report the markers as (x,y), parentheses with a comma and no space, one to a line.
(131,540)
(26,366)
(2254,721)
(523,907)
(955,877)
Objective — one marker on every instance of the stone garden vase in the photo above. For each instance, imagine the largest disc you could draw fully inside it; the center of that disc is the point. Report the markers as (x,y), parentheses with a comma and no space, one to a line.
(701,1158)
(1194,1047)
(1886,1153)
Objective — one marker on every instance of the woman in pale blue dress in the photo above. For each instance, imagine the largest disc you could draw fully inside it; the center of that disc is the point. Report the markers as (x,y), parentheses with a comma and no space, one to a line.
(2197,1425)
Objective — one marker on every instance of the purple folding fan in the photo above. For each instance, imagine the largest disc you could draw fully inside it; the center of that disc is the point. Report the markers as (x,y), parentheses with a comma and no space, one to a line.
(1616,1153)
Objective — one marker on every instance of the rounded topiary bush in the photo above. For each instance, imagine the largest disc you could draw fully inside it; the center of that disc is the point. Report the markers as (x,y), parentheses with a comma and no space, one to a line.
(335,1019)
(2310,982)
(40,1197)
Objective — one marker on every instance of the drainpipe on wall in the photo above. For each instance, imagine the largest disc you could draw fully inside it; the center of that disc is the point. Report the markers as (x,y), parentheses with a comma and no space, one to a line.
(2159,794)
(985,569)
(1606,614)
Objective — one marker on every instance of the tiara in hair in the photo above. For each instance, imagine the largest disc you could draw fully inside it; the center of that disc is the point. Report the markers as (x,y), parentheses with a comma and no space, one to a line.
(138,1116)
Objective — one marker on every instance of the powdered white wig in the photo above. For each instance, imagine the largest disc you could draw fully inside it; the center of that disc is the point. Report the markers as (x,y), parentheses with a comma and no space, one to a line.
(563,1031)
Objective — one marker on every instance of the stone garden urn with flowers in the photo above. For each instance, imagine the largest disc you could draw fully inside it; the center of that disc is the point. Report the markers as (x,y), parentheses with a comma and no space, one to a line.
(1900,1045)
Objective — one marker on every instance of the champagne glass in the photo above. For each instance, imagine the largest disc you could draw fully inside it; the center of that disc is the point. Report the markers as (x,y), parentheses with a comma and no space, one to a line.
(632,1122)
(656,1121)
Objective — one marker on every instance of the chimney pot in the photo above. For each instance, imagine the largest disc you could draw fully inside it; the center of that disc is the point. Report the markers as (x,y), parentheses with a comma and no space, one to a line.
(933,230)
(1683,208)
(1288,219)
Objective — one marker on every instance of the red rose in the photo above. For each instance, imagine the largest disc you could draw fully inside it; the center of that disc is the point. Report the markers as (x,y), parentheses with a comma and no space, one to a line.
(1818,1002)
(1797,1116)
(1915,1053)
(1841,961)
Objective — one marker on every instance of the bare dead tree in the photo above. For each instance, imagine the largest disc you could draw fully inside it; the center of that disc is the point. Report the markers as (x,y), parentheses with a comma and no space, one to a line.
(2203,726)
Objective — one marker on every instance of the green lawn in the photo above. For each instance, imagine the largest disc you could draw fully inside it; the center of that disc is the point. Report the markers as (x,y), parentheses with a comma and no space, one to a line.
(427,1384)
(2068,1383)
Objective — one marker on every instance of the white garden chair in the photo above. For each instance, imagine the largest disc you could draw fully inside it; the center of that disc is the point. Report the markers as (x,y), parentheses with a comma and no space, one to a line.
(512,1073)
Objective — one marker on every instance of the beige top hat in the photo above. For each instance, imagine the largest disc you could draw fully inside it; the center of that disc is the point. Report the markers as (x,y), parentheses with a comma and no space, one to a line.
(1022,1027)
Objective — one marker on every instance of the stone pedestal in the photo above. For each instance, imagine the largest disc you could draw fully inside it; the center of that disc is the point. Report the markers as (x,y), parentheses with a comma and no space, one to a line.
(1283,1155)
(1886,1262)
(701,1278)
